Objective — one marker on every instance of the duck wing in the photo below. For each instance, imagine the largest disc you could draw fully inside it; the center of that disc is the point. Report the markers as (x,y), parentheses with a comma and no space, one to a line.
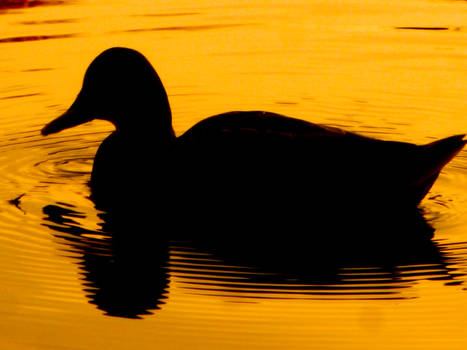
(259,155)
(286,160)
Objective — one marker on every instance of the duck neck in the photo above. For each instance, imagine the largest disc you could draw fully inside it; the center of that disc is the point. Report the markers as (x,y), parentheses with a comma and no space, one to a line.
(146,126)
(146,134)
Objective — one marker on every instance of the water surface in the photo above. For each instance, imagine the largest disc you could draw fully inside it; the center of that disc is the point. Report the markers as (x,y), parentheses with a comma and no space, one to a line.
(391,70)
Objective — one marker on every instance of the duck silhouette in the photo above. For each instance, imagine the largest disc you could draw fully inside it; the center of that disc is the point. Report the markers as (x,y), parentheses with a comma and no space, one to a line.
(243,165)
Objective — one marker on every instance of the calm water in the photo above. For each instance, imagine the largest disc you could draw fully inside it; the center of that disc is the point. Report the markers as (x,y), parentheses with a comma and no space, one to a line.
(395,70)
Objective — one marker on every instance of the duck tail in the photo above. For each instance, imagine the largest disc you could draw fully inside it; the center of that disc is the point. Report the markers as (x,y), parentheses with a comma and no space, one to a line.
(440,152)
(434,156)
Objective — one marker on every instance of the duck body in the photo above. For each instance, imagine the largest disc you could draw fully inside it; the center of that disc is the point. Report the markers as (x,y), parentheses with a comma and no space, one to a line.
(291,162)
(259,167)
(249,164)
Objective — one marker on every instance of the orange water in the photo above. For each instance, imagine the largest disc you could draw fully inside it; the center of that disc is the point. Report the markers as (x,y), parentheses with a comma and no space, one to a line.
(396,70)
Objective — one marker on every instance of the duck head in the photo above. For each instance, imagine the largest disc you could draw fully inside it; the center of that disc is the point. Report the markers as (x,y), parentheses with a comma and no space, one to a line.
(120,86)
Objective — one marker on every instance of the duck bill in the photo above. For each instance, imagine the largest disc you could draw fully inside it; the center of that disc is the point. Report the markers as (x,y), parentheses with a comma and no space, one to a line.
(74,116)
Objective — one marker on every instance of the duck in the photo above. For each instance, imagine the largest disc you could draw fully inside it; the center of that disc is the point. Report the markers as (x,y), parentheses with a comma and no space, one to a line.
(254,165)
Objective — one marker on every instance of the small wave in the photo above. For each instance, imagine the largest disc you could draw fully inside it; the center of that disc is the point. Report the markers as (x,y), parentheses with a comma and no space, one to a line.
(17,39)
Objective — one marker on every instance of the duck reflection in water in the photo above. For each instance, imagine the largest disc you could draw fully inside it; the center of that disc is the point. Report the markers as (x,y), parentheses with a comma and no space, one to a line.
(125,272)
(127,267)
(253,179)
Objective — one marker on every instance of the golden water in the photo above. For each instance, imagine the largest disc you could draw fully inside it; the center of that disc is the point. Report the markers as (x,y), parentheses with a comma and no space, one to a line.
(392,69)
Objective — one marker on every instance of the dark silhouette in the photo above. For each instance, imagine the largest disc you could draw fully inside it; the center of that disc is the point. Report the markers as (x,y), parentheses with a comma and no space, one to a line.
(285,198)
(124,266)
(240,168)
(320,270)
(127,265)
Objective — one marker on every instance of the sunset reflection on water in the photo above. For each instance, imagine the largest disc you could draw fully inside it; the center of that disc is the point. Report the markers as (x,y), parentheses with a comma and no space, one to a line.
(394,71)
